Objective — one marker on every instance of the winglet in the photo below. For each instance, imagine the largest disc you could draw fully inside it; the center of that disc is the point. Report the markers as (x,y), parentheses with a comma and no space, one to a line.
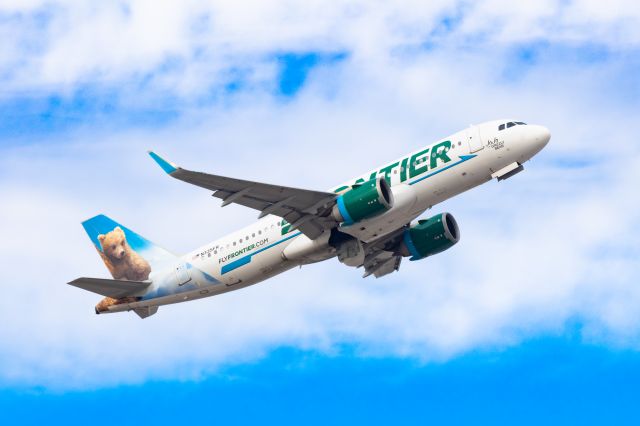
(166,165)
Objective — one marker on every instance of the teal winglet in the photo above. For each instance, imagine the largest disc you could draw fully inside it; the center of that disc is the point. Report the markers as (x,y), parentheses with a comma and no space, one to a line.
(166,166)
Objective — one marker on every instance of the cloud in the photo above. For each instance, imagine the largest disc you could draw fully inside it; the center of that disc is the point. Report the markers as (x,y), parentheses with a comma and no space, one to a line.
(553,246)
(185,47)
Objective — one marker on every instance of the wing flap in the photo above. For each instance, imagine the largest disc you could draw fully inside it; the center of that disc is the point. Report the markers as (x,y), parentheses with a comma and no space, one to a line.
(111,288)
(381,264)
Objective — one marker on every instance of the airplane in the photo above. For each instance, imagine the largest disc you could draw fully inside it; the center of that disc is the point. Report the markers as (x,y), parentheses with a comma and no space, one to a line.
(368,222)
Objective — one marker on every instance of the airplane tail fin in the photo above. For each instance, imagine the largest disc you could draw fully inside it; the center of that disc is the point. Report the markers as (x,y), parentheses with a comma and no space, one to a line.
(126,254)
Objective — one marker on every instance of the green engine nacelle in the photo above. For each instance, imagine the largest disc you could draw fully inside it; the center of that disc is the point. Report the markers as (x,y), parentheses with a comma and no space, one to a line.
(430,237)
(363,201)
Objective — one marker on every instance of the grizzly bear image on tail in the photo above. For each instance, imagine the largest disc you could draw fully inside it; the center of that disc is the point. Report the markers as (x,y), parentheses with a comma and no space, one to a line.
(121,260)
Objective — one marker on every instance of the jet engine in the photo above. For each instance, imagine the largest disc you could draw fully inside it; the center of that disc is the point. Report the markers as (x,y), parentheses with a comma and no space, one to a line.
(429,237)
(363,201)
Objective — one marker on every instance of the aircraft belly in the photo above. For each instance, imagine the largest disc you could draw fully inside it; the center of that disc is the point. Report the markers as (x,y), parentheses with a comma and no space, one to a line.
(246,278)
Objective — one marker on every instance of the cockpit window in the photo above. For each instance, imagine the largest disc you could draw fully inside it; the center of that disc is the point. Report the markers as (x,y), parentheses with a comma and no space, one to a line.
(511,124)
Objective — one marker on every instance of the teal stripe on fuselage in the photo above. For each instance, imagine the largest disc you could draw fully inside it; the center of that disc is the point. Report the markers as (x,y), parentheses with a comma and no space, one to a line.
(463,158)
(235,264)
(247,259)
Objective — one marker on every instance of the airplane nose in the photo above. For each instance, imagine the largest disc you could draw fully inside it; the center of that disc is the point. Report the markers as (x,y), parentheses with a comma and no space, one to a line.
(542,136)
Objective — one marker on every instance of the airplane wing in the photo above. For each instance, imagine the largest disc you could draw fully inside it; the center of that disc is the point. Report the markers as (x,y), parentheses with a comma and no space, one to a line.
(303,209)
(110,288)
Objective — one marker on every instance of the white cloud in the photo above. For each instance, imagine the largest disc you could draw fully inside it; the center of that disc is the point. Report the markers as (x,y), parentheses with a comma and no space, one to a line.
(548,247)
(58,43)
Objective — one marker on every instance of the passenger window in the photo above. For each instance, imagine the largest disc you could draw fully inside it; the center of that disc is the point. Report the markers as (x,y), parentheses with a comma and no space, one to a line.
(501,127)
(260,232)
(253,235)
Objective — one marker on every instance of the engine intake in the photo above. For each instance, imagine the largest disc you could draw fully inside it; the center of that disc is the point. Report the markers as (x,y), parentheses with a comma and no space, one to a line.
(363,201)
(429,237)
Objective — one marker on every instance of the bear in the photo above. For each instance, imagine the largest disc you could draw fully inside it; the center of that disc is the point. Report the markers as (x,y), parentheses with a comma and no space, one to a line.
(121,260)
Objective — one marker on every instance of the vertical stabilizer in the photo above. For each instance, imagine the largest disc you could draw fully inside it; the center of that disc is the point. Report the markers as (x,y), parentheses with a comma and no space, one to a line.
(126,254)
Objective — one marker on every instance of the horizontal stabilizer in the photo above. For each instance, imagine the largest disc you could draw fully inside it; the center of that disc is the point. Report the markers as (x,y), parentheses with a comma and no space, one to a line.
(111,288)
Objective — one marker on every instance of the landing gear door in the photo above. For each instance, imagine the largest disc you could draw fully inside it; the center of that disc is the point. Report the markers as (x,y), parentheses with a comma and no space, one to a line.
(473,139)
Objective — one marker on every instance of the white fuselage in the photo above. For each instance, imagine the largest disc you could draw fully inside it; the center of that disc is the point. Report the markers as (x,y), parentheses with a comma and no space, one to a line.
(259,251)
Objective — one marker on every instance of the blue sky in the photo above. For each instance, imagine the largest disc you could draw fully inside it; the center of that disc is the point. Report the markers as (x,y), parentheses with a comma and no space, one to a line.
(550,380)
(534,317)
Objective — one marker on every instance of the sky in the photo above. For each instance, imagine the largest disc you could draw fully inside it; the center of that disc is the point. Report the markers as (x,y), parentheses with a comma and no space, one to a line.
(534,316)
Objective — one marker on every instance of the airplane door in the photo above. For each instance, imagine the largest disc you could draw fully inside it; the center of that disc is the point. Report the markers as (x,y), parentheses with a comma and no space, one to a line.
(182,274)
(473,138)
